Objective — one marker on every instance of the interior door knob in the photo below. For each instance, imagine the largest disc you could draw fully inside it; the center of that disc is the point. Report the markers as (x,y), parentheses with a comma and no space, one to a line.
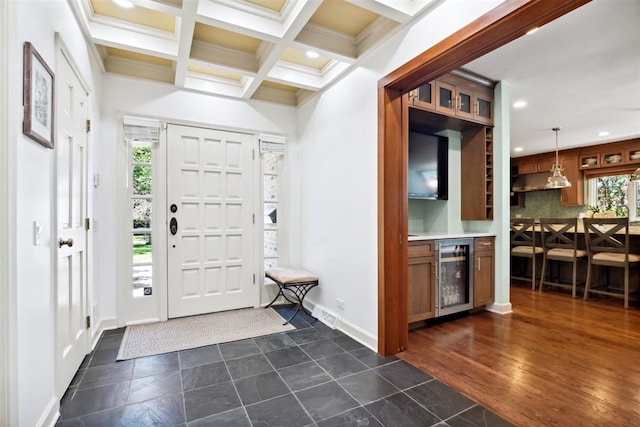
(62,242)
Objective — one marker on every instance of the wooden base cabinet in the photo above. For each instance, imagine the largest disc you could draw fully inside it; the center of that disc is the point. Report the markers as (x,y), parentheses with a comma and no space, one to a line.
(484,271)
(421,280)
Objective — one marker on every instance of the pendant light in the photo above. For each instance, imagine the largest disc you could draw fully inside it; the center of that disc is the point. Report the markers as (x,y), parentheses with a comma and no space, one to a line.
(636,175)
(557,180)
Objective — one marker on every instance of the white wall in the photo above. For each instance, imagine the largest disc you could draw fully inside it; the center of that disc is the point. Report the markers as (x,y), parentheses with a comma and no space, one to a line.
(338,140)
(131,96)
(33,370)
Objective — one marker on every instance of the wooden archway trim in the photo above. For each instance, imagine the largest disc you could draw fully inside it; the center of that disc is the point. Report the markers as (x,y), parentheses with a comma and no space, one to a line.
(499,26)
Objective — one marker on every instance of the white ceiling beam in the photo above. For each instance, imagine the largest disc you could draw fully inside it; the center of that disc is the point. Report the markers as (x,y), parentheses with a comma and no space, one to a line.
(398,10)
(374,34)
(215,86)
(78,8)
(160,6)
(269,55)
(133,41)
(226,57)
(140,69)
(327,40)
(232,19)
(275,95)
(185,37)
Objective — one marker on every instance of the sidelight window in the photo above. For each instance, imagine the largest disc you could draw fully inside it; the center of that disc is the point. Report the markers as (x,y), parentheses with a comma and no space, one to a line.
(142,139)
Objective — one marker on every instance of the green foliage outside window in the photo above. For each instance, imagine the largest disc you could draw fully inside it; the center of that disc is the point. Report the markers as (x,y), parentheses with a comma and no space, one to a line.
(612,195)
(141,182)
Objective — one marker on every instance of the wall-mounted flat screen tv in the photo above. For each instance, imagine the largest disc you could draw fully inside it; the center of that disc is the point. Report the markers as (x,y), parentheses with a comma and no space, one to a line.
(428,166)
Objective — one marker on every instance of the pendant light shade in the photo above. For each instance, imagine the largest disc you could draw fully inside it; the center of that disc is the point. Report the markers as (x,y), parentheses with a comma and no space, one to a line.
(635,176)
(557,180)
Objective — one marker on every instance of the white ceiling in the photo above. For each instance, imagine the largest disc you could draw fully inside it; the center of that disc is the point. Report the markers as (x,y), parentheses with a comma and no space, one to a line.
(248,49)
(580,72)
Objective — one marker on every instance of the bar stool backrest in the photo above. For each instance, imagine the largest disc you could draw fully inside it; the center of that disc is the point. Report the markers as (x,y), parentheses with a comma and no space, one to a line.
(606,235)
(522,232)
(561,233)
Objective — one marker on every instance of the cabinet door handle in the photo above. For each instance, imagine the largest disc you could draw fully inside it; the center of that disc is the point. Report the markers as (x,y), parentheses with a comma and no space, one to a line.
(478,264)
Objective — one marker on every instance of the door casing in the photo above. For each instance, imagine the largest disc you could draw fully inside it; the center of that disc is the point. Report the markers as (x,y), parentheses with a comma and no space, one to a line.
(504,23)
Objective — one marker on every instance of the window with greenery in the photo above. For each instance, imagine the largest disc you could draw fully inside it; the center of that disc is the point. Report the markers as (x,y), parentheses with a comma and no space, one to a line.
(616,194)
(141,204)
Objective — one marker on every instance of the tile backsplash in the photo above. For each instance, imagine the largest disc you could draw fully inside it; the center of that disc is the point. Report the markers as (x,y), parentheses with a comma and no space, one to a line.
(546,204)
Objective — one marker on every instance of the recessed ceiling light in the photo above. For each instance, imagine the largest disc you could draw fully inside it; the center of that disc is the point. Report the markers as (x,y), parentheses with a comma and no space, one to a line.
(519,104)
(518,149)
(604,133)
(533,30)
(313,54)
(124,3)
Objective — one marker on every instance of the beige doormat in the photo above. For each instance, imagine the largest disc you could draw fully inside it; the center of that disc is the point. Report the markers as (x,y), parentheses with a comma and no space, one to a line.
(198,331)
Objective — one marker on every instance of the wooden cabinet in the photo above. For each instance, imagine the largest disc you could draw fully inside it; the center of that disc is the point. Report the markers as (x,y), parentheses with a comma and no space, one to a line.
(424,96)
(610,155)
(574,195)
(477,174)
(484,273)
(589,160)
(421,280)
(455,97)
(422,276)
(632,154)
(535,164)
(462,98)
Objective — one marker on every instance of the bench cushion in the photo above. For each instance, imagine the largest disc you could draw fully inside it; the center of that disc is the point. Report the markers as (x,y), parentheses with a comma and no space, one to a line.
(287,275)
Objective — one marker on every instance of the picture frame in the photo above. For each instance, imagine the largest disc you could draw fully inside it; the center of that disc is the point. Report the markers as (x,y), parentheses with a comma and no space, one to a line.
(38,98)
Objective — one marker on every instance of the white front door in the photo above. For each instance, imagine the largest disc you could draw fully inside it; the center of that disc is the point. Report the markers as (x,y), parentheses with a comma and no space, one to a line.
(210,210)
(71,291)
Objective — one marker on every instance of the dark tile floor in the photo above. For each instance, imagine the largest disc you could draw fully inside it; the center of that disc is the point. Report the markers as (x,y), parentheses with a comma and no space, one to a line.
(311,376)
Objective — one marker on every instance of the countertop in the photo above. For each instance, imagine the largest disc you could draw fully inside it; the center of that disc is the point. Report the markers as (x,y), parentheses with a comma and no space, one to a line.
(436,235)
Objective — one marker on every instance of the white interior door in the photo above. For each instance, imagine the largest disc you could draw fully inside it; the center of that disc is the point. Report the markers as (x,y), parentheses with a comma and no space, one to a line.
(210,246)
(71,332)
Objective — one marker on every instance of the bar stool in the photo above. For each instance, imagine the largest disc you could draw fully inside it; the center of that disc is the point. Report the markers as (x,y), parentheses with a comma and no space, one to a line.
(523,245)
(608,246)
(560,243)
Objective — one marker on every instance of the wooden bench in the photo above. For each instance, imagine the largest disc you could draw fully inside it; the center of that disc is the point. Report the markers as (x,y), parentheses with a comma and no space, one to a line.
(296,282)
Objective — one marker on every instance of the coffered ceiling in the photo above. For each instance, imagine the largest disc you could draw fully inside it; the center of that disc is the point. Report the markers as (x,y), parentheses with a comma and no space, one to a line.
(248,49)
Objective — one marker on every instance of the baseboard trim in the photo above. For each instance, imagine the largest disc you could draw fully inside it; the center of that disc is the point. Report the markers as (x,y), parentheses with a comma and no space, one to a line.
(504,308)
(104,325)
(50,416)
(351,330)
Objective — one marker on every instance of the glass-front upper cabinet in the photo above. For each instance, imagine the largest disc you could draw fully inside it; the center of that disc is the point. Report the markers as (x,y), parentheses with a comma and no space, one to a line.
(483,106)
(455,97)
(423,97)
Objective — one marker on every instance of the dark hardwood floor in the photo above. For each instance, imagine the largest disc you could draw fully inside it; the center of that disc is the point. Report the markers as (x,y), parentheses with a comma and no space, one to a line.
(554,361)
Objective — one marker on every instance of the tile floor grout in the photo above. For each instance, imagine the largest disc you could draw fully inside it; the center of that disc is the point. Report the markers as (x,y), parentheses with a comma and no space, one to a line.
(387,384)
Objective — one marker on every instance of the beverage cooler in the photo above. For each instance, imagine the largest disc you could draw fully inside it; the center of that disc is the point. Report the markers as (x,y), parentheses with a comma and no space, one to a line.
(454,269)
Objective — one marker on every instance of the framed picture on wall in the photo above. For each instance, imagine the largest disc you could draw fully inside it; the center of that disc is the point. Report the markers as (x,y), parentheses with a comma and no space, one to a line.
(38,97)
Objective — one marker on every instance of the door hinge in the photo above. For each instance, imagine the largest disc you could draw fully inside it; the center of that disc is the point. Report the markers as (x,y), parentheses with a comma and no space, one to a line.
(254,278)
(87,224)
(88,126)
(254,218)
(253,154)
(88,322)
